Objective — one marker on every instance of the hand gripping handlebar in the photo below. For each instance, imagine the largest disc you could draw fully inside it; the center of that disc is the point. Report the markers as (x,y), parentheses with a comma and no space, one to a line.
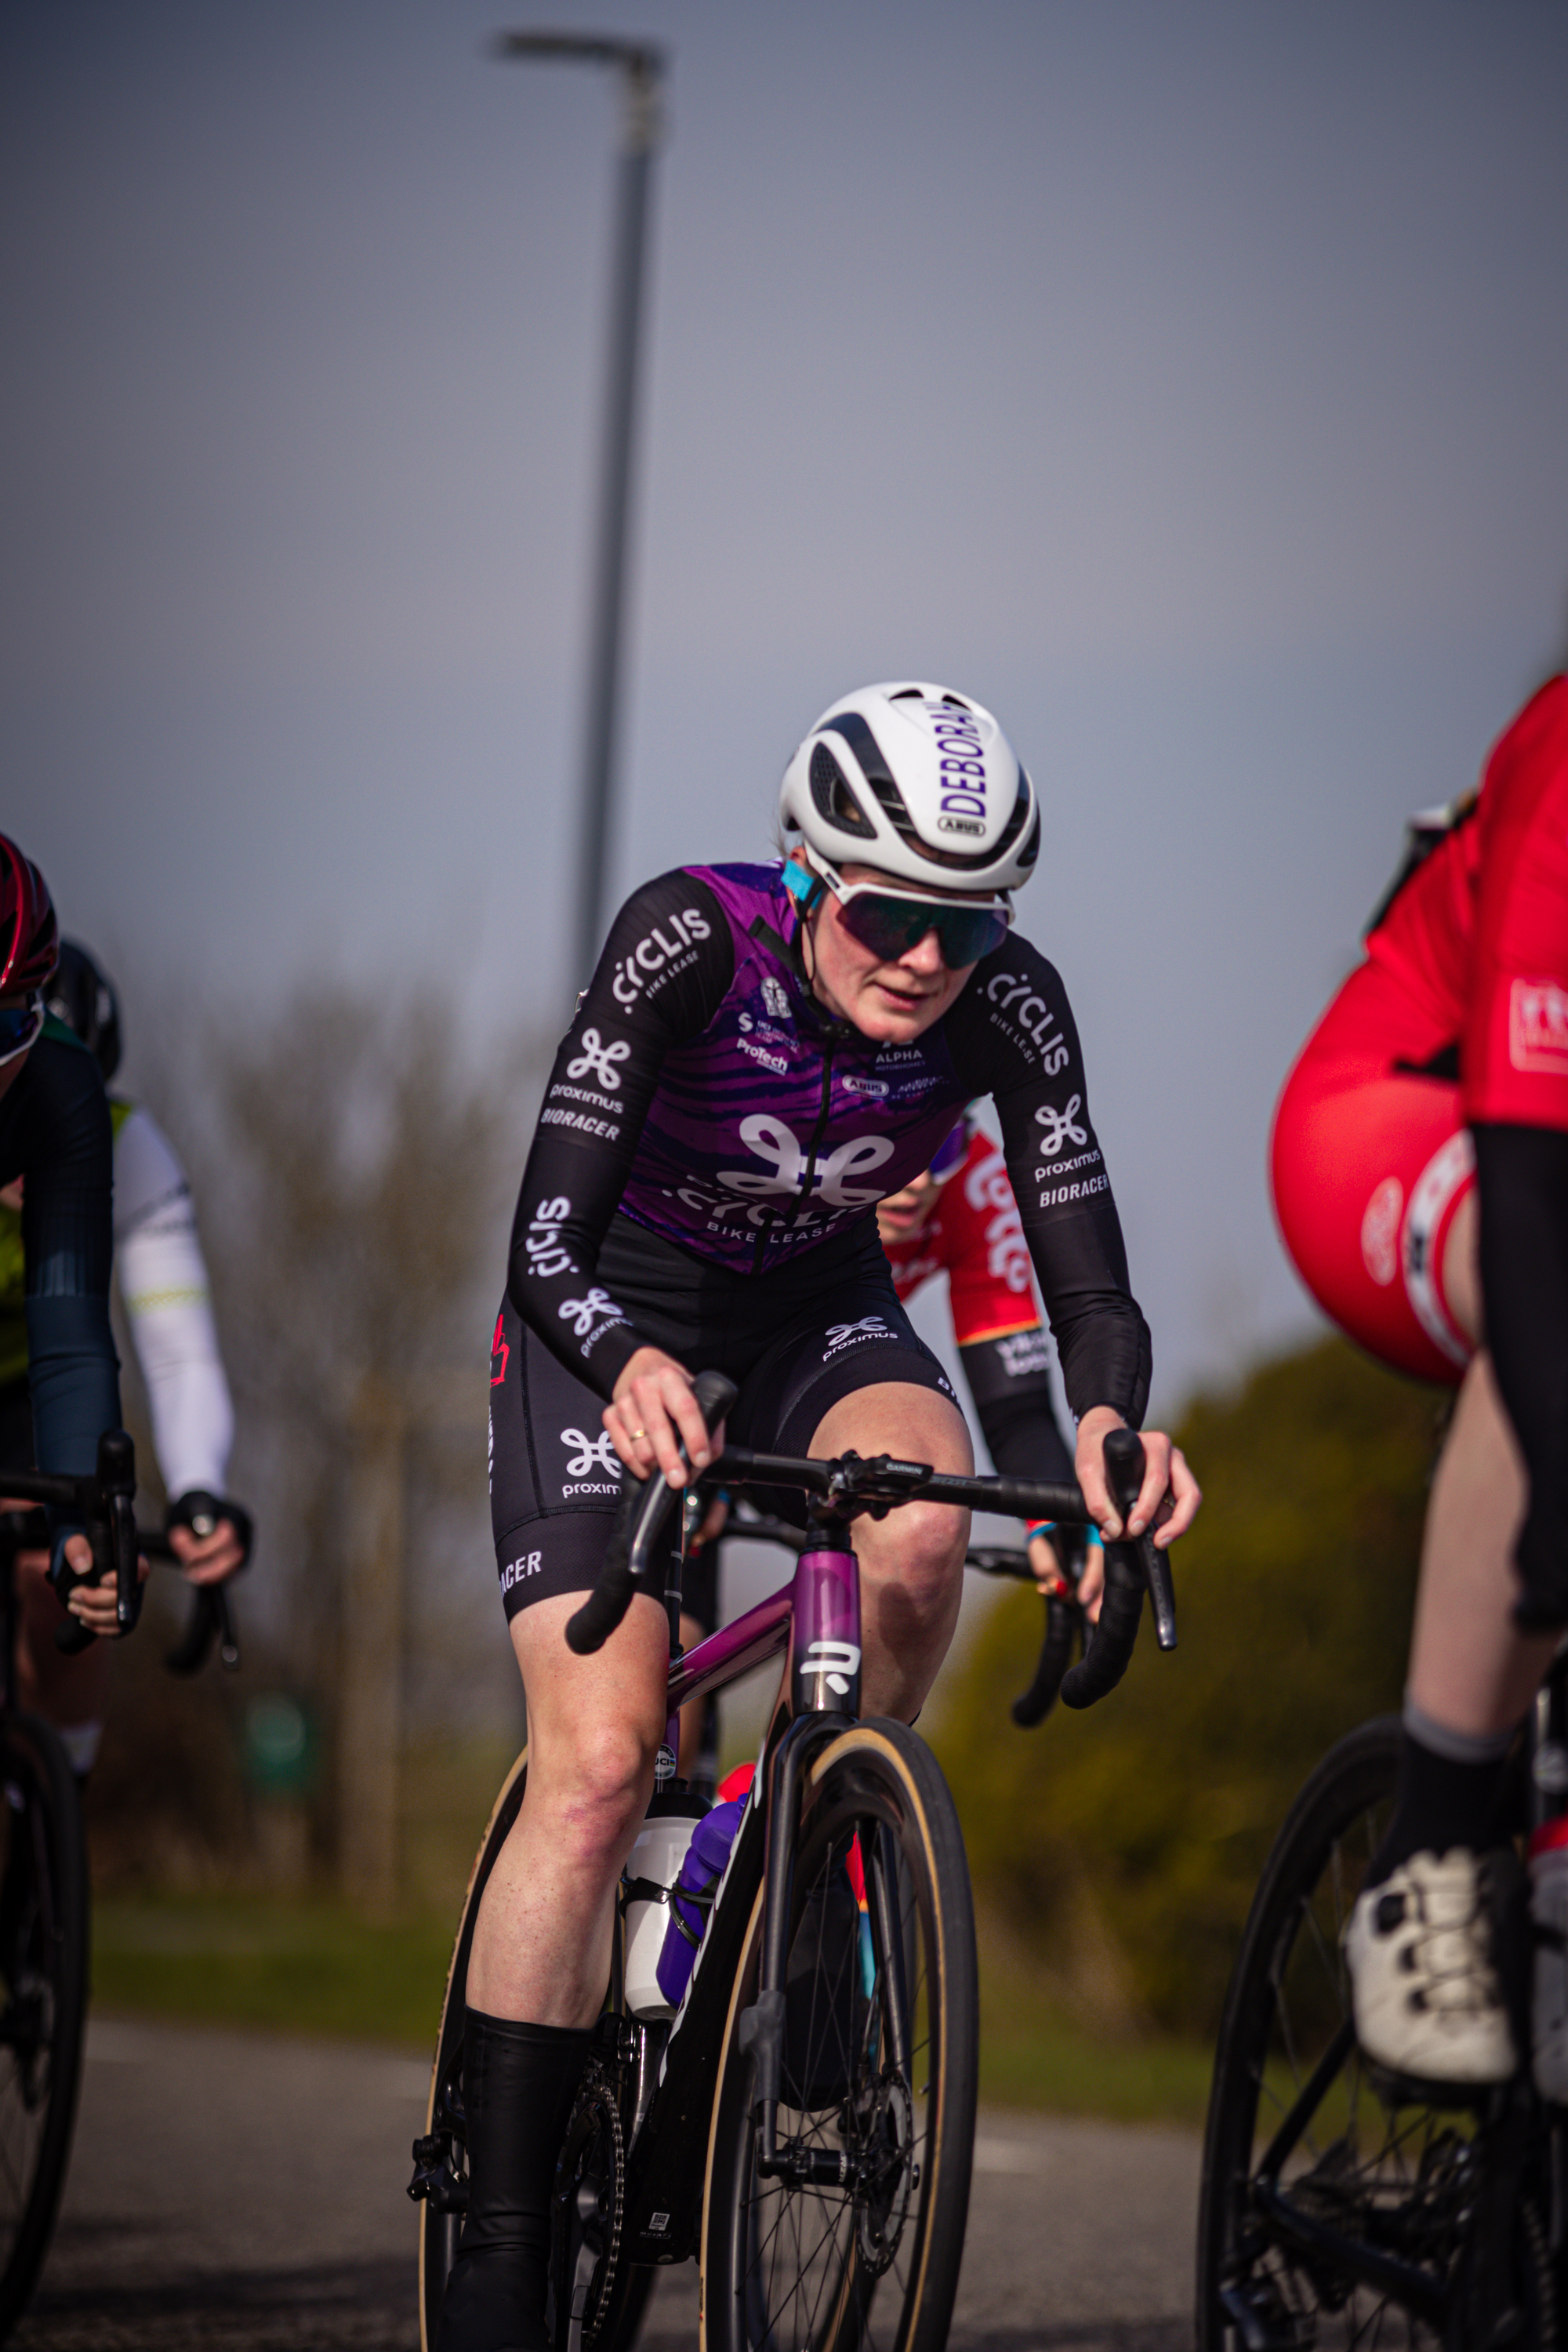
(105,1502)
(644,1510)
(1130,1569)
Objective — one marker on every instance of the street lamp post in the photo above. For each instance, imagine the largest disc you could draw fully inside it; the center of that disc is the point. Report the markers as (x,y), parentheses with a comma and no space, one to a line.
(641,68)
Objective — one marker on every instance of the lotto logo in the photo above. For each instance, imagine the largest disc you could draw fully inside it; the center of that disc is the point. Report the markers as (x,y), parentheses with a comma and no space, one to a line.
(1380,1232)
(1538,1027)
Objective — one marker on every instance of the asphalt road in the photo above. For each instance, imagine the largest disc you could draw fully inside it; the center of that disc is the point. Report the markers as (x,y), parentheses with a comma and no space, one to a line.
(237,2193)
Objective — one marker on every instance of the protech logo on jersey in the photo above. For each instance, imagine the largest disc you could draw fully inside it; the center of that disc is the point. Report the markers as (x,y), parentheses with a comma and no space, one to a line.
(1538,1027)
(591,1454)
(1015,995)
(777,1062)
(656,954)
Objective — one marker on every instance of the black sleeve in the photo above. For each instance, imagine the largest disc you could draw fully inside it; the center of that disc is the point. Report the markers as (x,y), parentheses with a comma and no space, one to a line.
(1013,1036)
(1009,1379)
(605,1075)
(1522,1179)
(66,1157)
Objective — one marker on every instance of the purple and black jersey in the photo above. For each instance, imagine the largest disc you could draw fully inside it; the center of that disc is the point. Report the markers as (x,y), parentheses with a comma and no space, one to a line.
(702,1094)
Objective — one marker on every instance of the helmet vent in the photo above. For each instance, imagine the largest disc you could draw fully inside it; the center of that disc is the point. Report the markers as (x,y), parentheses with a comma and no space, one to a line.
(873,767)
(830,789)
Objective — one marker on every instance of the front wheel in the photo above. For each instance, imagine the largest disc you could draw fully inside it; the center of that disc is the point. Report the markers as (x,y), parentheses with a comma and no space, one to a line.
(43,1969)
(879,2067)
(1340,2208)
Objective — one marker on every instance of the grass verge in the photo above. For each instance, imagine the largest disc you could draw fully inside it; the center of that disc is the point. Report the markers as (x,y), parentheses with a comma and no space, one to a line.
(319,1968)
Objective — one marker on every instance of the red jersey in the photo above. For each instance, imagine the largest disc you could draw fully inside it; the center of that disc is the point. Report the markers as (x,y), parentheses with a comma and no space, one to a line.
(1478,936)
(975,1237)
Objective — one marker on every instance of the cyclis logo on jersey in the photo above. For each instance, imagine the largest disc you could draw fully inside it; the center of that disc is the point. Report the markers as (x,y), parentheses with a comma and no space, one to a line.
(1013,993)
(635,972)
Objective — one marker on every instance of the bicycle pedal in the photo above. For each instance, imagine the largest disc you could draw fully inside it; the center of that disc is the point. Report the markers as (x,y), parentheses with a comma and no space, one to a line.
(434,2179)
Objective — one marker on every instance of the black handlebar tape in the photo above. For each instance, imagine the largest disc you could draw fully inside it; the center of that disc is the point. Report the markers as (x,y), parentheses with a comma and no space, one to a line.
(1113,1640)
(644,1506)
(1056,1657)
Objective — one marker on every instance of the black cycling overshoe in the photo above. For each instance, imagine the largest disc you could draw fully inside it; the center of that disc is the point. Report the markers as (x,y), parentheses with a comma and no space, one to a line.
(825,2000)
(518,2084)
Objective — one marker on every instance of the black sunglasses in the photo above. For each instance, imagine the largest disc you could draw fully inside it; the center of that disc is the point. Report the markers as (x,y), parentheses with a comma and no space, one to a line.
(890,926)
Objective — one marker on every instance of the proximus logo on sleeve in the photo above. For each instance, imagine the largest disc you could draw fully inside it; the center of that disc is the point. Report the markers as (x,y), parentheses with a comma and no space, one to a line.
(961,769)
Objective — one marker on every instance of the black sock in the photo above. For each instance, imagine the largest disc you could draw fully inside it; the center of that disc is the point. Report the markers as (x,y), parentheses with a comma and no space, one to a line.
(1442,1801)
(518,2083)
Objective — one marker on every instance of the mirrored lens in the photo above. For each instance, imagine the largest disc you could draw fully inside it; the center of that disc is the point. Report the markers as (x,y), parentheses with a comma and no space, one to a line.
(890,927)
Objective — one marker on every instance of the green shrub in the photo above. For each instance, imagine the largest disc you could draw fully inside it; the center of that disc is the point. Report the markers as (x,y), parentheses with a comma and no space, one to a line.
(1123,1846)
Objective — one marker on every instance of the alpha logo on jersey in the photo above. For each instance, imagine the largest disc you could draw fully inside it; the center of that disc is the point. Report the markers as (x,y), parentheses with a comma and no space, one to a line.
(500,1346)
(779,1146)
(583,1314)
(1016,995)
(543,1239)
(601,1059)
(1060,1126)
(658,954)
(1538,1027)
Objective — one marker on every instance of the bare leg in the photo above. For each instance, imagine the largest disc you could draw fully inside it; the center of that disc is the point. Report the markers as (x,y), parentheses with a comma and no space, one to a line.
(911,1562)
(542,1940)
(1471,1670)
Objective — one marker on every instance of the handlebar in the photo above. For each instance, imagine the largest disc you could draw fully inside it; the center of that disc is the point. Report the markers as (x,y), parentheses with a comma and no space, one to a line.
(849,1485)
(104,1502)
(1130,1570)
(641,1517)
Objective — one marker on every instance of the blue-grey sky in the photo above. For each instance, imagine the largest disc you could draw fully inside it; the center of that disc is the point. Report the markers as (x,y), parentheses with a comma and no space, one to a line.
(1188,383)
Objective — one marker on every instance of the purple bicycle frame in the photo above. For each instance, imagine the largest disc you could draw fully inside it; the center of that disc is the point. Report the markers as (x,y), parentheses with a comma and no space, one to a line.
(816,1617)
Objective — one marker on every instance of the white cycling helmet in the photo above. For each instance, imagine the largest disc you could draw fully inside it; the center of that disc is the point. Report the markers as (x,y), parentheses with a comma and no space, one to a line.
(919,783)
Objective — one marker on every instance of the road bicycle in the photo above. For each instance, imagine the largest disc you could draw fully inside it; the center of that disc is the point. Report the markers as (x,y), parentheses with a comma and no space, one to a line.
(44,1913)
(803,2123)
(1342,2204)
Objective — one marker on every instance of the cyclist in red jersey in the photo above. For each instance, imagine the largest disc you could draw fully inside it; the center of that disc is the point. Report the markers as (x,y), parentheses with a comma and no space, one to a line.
(961,1219)
(1420,1173)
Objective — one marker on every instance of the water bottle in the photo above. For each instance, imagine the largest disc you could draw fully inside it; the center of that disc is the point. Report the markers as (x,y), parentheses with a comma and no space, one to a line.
(651,1871)
(1549,1917)
(700,1872)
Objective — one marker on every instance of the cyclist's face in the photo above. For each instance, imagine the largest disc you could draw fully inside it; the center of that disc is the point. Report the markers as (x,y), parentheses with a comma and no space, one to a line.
(903,1214)
(891,1003)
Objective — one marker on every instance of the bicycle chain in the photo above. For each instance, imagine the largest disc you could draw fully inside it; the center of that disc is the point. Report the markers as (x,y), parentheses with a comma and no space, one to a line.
(597,2094)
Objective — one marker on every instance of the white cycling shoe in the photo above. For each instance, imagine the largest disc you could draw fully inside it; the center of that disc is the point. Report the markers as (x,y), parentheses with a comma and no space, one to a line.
(1422,1955)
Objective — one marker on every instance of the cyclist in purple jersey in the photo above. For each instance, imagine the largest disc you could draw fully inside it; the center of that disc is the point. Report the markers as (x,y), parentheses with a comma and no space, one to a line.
(764,1053)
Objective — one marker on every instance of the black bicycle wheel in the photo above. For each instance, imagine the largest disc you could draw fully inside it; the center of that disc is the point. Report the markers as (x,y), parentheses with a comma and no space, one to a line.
(614,2328)
(1338,2208)
(43,1967)
(880,2052)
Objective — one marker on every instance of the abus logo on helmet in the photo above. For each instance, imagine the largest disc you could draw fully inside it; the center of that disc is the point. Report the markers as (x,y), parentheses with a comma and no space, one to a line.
(651,955)
(961,768)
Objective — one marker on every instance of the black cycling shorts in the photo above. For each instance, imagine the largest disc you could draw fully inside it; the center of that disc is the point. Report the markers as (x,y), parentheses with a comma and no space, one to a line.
(794,1342)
